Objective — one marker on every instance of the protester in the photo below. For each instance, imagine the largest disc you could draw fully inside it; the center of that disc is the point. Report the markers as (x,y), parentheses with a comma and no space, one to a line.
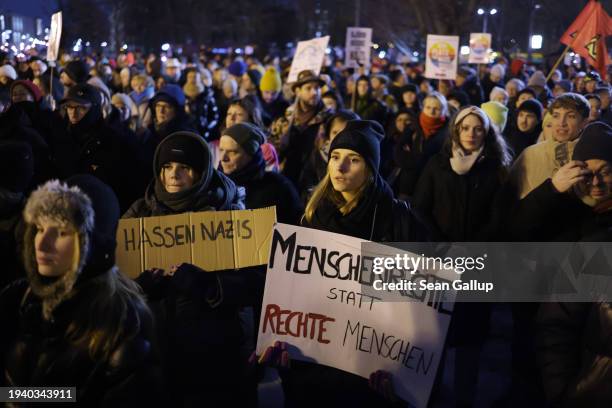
(537,163)
(196,311)
(467,81)
(527,128)
(273,103)
(49,336)
(200,104)
(595,104)
(350,200)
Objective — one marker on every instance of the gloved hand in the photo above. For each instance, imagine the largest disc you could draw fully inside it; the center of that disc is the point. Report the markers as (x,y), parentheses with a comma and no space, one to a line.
(193,281)
(276,356)
(154,283)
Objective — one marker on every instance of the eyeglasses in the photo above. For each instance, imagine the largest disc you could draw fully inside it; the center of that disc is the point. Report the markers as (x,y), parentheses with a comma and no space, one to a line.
(602,175)
(77,108)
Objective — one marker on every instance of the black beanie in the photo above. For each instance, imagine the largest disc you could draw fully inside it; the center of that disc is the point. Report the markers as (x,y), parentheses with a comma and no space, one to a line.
(185,148)
(16,166)
(77,71)
(255,77)
(594,143)
(532,105)
(247,135)
(106,219)
(363,137)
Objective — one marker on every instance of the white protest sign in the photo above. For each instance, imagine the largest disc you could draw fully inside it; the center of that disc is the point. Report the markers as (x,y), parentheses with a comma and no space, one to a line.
(319,298)
(358,47)
(442,53)
(54,36)
(480,46)
(308,55)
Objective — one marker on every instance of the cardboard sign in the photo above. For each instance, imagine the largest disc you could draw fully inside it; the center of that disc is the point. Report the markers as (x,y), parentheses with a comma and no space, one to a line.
(55,35)
(319,298)
(442,54)
(211,240)
(358,47)
(480,47)
(308,55)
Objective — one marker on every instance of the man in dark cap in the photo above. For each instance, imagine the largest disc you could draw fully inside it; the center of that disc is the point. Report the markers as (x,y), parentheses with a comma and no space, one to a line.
(88,145)
(526,128)
(309,114)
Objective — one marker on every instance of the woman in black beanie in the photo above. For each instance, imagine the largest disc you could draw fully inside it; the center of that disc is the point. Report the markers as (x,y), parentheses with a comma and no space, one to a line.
(352,199)
(77,321)
(197,312)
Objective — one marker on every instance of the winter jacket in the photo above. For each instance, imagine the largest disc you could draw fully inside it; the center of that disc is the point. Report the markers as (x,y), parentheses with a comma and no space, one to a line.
(274,109)
(370,108)
(459,207)
(519,141)
(204,112)
(411,154)
(197,312)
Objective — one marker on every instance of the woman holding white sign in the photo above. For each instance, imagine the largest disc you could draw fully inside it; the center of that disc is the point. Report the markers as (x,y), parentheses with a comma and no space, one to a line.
(352,199)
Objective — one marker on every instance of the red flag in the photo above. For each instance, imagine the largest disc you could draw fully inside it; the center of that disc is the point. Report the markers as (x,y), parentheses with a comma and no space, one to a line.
(587,36)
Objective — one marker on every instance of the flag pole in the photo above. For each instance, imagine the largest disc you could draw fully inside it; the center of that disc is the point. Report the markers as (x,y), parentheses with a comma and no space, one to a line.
(552,70)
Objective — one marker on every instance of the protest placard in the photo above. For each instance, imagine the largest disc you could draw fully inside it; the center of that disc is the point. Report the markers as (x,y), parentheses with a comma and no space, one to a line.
(480,47)
(308,55)
(358,47)
(441,59)
(319,299)
(211,240)
(55,35)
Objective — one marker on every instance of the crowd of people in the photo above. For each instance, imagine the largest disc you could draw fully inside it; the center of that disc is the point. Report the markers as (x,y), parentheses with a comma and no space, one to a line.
(382,154)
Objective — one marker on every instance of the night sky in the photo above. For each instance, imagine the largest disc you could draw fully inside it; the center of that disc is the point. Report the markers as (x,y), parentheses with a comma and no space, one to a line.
(32,8)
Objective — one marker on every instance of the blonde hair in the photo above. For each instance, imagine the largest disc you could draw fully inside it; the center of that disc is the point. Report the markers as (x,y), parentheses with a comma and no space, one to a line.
(325,190)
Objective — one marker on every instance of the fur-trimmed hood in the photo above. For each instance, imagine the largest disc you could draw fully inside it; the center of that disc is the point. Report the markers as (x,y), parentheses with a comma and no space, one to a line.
(65,205)
(91,208)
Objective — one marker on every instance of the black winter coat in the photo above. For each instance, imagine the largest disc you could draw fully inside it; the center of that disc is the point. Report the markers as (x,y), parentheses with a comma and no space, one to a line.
(93,147)
(370,108)
(519,141)
(203,109)
(197,315)
(36,352)
(472,88)
(411,154)
(458,207)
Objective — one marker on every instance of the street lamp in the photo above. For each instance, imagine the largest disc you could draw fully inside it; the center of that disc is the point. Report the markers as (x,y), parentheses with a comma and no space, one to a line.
(534,7)
(486,14)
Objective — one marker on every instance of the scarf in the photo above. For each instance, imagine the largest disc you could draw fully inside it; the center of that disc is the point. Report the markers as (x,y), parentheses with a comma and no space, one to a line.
(462,162)
(254,170)
(362,221)
(603,207)
(430,125)
(144,96)
(303,117)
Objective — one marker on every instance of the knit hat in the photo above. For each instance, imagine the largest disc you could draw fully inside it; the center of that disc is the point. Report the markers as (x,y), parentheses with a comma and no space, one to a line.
(91,208)
(16,166)
(410,88)
(185,148)
(537,79)
(247,135)
(460,96)
(474,110)
(125,100)
(532,105)
(77,70)
(594,143)
(497,112)
(8,71)
(84,93)
(254,76)
(30,86)
(170,93)
(520,85)
(497,91)
(498,70)
(271,81)
(566,85)
(237,68)
(363,137)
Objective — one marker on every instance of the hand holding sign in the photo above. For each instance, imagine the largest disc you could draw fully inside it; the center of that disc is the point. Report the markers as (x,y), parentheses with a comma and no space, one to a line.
(276,356)
(381,381)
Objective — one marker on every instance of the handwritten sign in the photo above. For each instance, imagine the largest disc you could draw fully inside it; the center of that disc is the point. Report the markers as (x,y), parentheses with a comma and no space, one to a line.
(358,47)
(308,55)
(55,34)
(212,240)
(319,298)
